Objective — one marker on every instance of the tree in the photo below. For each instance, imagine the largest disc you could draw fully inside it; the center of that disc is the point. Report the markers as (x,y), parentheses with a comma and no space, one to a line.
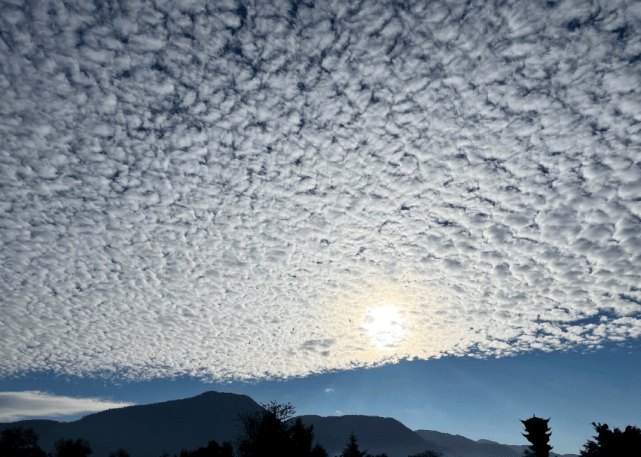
(264,434)
(613,442)
(213,449)
(282,412)
(351,449)
(427,454)
(18,442)
(301,441)
(268,432)
(119,453)
(69,448)
(537,434)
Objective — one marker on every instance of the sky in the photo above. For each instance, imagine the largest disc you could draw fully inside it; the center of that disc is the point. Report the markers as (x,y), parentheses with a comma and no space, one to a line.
(322,194)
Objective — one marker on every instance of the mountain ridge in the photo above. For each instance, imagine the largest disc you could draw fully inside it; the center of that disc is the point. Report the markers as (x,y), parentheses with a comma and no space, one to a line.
(151,430)
(466,447)
(375,434)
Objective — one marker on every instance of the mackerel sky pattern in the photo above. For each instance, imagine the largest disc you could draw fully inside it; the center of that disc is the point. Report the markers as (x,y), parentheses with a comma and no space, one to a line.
(224,189)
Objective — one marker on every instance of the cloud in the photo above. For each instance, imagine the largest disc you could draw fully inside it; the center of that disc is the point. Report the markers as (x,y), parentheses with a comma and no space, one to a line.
(227,192)
(16,406)
(329,390)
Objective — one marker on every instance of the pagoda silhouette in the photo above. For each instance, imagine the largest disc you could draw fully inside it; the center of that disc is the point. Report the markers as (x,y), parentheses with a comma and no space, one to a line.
(537,433)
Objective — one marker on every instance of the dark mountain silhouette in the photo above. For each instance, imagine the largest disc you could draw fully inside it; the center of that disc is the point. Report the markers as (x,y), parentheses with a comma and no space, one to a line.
(465,447)
(149,430)
(375,434)
(522,447)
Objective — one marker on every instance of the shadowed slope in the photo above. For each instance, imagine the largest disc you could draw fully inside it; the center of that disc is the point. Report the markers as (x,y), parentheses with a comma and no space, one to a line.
(149,430)
(466,447)
(522,447)
(374,434)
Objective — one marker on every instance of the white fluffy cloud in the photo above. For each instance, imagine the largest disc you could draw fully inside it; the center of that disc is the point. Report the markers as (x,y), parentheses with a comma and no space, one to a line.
(16,406)
(228,190)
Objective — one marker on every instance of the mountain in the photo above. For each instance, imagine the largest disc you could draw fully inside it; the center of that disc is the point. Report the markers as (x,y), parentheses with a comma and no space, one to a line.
(149,430)
(374,434)
(522,447)
(465,447)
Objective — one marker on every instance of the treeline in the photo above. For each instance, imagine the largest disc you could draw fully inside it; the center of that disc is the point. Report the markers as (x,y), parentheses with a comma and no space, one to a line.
(268,432)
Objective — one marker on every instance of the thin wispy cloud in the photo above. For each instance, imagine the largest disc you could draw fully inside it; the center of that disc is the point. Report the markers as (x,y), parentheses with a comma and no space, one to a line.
(329,390)
(229,190)
(16,406)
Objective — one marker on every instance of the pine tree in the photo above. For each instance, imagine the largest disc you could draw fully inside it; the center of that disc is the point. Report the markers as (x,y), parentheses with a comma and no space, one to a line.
(352,450)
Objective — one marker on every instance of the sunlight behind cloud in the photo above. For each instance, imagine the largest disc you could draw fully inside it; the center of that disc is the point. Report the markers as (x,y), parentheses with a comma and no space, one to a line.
(409,319)
(385,326)
(233,204)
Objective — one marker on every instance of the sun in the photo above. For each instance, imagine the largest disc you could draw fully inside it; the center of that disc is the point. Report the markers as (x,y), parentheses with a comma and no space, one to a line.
(385,326)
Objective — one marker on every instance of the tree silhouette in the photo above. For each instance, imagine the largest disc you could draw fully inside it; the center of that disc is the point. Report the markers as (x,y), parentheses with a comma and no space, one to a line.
(119,453)
(427,454)
(282,412)
(69,448)
(537,434)
(351,449)
(213,449)
(18,442)
(613,442)
(266,432)
(301,441)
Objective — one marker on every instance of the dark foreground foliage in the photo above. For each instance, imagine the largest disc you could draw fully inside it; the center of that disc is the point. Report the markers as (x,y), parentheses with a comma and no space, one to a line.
(269,433)
(18,442)
(613,442)
(427,454)
(352,450)
(71,448)
(213,449)
(119,453)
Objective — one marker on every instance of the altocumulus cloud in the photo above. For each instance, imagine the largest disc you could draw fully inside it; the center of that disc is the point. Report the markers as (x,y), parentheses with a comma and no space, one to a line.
(225,189)
(21,405)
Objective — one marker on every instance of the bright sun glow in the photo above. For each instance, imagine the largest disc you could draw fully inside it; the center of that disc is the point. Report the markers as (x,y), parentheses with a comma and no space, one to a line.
(385,326)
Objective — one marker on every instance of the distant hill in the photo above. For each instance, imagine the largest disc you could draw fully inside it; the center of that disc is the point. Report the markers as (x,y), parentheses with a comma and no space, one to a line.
(521,447)
(465,447)
(149,430)
(374,434)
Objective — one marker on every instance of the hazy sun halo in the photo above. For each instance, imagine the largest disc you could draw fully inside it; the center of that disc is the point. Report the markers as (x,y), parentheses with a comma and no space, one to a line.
(385,326)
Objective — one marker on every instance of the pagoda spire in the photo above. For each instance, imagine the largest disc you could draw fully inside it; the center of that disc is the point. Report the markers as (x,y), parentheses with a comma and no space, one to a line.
(538,433)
